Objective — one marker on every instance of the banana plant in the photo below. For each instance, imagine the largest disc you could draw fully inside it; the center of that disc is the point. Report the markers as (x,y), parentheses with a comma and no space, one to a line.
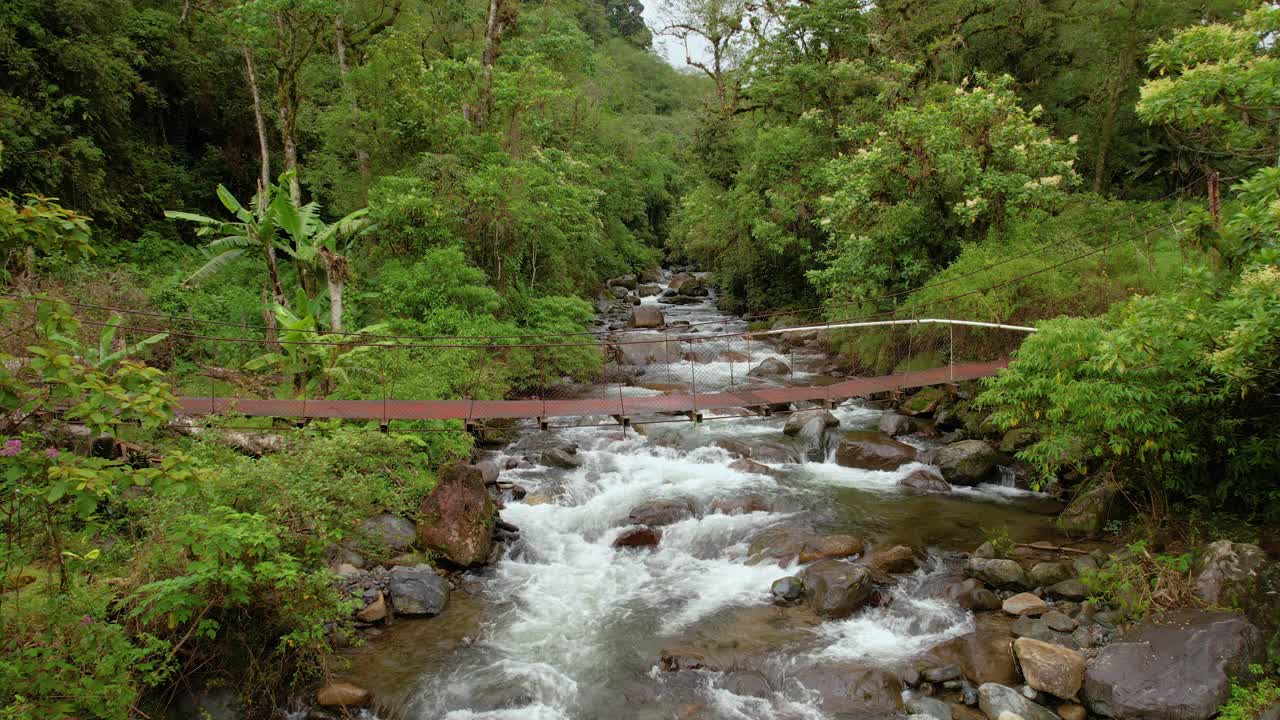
(317,363)
(106,355)
(317,246)
(254,229)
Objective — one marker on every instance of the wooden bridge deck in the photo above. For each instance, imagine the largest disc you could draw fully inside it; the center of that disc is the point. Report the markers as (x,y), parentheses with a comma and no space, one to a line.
(614,405)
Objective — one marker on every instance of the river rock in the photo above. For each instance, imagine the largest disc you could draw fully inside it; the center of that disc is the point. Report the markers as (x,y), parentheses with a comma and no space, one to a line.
(927,479)
(1090,509)
(1034,629)
(849,689)
(741,505)
(1025,604)
(797,420)
(769,367)
(786,545)
(1050,668)
(1069,590)
(1060,622)
(873,451)
(967,462)
(618,292)
(972,595)
(920,705)
(1226,572)
(897,559)
(998,572)
(648,290)
(942,673)
(337,693)
(638,537)
(488,470)
(787,590)
(984,655)
(1072,711)
(837,589)
(995,699)
(893,424)
(775,452)
(559,458)
(812,436)
(1048,573)
(678,280)
(391,531)
(747,465)
(375,611)
(624,281)
(1177,667)
(656,513)
(647,316)
(457,517)
(746,684)
(417,590)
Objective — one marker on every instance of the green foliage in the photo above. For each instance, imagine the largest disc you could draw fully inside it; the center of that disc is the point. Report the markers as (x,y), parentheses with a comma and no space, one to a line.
(1136,582)
(1001,543)
(1249,701)
(40,234)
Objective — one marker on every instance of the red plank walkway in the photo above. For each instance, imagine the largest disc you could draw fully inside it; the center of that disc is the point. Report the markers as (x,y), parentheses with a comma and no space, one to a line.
(616,405)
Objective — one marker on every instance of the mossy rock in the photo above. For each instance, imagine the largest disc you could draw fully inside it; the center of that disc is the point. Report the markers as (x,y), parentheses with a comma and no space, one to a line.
(926,399)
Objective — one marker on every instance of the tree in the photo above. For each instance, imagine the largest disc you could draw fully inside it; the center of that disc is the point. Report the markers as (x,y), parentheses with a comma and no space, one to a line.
(250,231)
(723,27)
(928,176)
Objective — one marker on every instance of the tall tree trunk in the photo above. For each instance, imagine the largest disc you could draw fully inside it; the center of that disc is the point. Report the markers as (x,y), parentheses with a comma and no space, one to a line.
(288,127)
(335,303)
(362,157)
(264,182)
(1119,82)
(492,35)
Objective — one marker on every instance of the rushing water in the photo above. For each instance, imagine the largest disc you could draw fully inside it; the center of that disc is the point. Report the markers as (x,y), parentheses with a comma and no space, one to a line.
(571,627)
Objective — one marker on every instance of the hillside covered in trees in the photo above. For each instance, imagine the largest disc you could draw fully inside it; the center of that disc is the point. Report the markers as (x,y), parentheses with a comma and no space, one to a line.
(322,177)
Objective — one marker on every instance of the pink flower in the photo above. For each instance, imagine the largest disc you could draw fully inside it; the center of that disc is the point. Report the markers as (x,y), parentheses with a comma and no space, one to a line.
(11,447)
(51,453)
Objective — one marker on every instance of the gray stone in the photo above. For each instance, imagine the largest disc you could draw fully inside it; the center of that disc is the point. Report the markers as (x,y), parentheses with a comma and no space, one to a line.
(768,367)
(1177,667)
(1050,668)
(417,590)
(647,316)
(488,470)
(787,590)
(997,572)
(560,458)
(929,707)
(1048,573)
(1059,621)
(985,551)
(1037,629)
(797,420)
(1025,604)
(392,531)
(1069,590)
(893,424)
(1085,565)
(994,699)
(837,589)
(1090,510)
(942,673)
(967,462)
(1225,572)
(971,595)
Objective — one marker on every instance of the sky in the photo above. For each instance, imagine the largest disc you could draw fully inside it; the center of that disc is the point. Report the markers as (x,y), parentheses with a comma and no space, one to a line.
(669,48)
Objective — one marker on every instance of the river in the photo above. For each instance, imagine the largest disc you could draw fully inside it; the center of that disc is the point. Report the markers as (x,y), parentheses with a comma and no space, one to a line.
(565,625)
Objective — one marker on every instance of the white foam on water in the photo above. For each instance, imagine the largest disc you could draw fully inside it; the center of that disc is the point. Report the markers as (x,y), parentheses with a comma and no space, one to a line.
(907,626)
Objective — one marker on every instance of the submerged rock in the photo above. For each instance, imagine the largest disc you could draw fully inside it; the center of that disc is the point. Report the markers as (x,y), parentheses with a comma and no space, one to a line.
(638,537)
(747,465)
(873,451)
(1178,667)
(458,517)
(787,545)
(657,513)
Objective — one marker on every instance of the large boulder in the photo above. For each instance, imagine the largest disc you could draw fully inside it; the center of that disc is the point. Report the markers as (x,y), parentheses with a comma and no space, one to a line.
(458,517)
(560,458)
(812,437)
(678,280)
(417,590)
(995,699)
(1050,668)
(391,531)
(873,451)
(769,367)
(896,559)
(851,690)
(648,290)
(996,571)
(1048,573)
(1090,510)
(1177,667)
(837,589)
(656,513)
(647,316)
(967,462)
(624,281)
(925,479)
(1226,572)
(797,421)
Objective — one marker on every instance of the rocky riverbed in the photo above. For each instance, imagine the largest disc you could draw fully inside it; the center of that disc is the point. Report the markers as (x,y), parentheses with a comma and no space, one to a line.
(813,564)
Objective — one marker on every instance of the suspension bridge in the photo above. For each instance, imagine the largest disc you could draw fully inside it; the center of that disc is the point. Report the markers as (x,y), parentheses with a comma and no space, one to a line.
(662,372)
